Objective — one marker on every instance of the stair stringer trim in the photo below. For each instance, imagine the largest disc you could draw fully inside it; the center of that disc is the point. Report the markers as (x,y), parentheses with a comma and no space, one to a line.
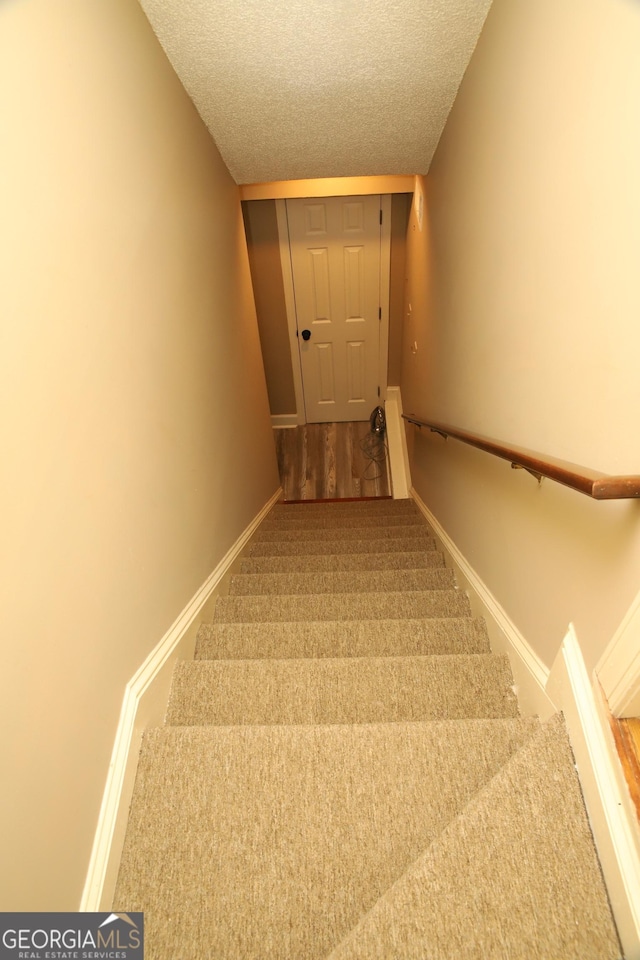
(529,672)
(144,705)
(611,814)
(397,441)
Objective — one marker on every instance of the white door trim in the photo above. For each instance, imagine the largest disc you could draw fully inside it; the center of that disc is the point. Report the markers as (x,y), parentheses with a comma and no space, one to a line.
(385,284)
(290,303)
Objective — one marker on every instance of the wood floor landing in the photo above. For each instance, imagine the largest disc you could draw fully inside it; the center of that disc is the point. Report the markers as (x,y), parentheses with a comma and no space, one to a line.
(627,736)
(327,461)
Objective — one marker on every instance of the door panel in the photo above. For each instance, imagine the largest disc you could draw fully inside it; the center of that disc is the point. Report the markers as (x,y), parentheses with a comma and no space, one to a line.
(353,215)
(356,367)
(353,282)
(320,289)
(335,259)
(324,369)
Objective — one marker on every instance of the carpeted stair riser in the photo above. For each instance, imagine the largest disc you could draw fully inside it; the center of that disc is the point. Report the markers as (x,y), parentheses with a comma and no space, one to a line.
(388,522)
(373,638)
(351,690)
(356,508)
(312,547)
(272,842)
(382,581)
(346,606)
(515,899)
(345,562)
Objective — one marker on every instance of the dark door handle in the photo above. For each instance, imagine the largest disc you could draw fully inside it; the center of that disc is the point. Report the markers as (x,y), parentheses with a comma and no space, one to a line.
(306,334)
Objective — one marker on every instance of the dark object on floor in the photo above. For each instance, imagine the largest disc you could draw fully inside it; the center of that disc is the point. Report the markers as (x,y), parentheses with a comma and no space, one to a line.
(378,422)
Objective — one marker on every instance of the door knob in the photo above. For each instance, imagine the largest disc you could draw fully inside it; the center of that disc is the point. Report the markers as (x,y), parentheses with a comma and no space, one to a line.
(306,334)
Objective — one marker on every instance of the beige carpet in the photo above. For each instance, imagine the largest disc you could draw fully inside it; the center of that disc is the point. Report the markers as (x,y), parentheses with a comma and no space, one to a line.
(339,638)
(343,771)
(349,690)
(343,606)
(520,894)
(375,544)
(408,560)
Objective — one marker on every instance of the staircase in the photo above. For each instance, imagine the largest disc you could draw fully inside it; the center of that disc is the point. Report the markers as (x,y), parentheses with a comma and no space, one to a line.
(343,772)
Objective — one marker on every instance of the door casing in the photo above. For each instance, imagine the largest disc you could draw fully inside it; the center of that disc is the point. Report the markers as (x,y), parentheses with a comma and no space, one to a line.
(287,278)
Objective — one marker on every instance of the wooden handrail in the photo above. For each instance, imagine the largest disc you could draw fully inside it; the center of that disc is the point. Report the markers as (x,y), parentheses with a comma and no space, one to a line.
(599,486)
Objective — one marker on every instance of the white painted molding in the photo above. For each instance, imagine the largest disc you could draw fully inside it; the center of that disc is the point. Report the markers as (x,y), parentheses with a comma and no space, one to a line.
(281,421)
(328,187)
(613,820)
(397,443)
(529,672)
(619,667)
(290,307)
(385,288)
(143,706)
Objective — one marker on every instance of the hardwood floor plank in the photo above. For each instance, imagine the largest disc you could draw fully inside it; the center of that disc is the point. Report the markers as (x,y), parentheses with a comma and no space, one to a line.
(345,486)
(282,465)
(313,461)
(372,461)
(627,736)
(330,467)
(326,461)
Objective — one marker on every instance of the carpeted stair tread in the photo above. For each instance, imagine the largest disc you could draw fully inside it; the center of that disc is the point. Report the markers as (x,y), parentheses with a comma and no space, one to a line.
(349,690)
(302,547)
(343,769)
(331,521)
(356,581)
(348,561)
(341,532)
(514,876)
(339,638)
(272,842)
(343,606)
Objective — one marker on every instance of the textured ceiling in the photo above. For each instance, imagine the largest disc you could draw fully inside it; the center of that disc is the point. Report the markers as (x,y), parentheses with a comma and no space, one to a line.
(294,89)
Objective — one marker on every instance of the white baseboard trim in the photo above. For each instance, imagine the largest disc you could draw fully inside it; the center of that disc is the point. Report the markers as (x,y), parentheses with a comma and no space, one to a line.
(397,441)
(612,817)
(281,421)
(143,706)
(529,672)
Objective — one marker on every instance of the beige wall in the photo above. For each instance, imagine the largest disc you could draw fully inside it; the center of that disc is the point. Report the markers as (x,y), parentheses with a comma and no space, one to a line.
(525,309)
(266,273)
(136,443)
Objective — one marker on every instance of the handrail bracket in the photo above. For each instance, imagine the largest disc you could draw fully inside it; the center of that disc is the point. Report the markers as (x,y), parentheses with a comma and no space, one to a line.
(518,466)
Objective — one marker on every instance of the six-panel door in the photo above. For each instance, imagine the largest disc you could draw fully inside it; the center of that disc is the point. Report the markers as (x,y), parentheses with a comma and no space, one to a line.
(335,257)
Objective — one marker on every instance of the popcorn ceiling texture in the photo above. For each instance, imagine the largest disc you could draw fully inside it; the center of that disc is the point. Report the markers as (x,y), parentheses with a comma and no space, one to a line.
(320,88)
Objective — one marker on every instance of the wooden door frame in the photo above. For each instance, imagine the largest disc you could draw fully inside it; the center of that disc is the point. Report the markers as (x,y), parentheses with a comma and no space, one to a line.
(289,299)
